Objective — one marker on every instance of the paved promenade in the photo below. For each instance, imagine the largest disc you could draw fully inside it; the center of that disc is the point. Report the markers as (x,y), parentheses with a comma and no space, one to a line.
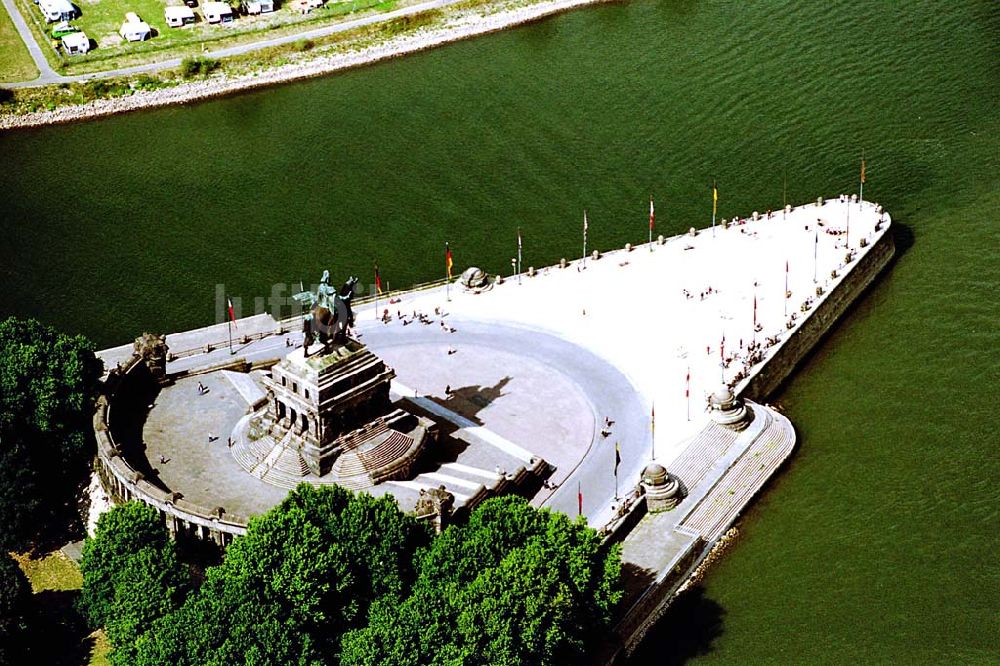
(541,364)
(658,316)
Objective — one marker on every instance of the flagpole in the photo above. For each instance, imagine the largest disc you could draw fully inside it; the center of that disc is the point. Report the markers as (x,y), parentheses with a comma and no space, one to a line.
(447,272)
(861,194)
(815,256)
(847,231)
(652,429)
(687,393)
(722,358)
(715,201)
(519,255)
(651,218)
(229,323)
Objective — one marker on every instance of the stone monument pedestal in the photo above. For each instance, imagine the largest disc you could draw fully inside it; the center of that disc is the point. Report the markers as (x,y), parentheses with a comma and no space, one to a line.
(728,410)
(662,491)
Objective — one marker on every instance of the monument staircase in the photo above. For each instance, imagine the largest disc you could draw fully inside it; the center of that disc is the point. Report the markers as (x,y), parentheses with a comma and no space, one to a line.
(469,484)
(368,455)
(748,473)
(270,460)
(693,463)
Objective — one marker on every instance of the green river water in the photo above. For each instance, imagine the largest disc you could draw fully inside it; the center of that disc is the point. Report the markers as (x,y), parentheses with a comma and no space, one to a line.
(879,541)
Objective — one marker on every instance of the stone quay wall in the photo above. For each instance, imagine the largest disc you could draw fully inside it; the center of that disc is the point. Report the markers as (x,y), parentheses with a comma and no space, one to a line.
(124,483)
(819,320)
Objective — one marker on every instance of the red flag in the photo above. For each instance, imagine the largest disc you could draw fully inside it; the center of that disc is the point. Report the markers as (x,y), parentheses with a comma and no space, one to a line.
(579,498)
(652,418)
(378,281)
(687,386)
(722,348)
(447,259)
(232,316)
(755,312)
(652,214)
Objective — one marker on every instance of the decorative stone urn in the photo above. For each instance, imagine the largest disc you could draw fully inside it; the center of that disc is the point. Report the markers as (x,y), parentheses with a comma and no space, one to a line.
(728,410)
(662,490)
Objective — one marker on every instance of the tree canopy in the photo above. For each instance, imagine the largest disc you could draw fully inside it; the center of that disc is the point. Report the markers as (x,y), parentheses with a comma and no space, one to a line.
(329,576)
(131,575)
(48,382)
(515,585)
(305,572)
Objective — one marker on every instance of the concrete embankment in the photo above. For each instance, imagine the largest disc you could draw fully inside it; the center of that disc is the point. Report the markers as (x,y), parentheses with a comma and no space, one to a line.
(461,26)
(825,313)
(672,550)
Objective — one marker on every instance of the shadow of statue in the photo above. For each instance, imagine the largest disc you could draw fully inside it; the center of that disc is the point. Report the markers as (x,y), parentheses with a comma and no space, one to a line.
(468,401)
(688,629)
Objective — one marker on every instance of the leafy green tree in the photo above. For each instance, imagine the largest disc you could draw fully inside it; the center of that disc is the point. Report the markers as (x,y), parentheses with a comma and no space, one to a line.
(15,601)
(515,585)
(131,575)
(521,612)
(305,572)
(48,382)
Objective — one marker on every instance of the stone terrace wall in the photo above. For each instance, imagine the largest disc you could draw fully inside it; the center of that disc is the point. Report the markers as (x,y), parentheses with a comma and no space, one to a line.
(826,310)
(123,483)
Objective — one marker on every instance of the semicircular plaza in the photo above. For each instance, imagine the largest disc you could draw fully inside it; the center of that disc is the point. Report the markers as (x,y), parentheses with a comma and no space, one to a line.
(553,386)
(500,394)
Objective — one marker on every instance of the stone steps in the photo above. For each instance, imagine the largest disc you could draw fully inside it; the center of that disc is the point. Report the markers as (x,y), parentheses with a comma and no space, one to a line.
(356,438)
(693,463)
(348,464)
(747,475)
(469,473)
(385,452)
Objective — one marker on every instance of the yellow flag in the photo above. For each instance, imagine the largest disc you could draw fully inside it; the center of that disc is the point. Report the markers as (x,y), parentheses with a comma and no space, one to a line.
(715,199)
(862,171)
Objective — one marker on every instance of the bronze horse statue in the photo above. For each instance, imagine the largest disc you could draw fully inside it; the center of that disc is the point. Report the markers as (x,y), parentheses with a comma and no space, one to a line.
(331,316)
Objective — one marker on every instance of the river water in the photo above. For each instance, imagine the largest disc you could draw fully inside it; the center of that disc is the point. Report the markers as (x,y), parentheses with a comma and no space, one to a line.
(878,542)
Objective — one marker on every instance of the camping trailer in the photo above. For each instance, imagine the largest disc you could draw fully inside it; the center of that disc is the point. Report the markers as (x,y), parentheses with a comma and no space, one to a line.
(134,29)
(76,43)
(57,10)
(217,12)
(258,6)
(179,16)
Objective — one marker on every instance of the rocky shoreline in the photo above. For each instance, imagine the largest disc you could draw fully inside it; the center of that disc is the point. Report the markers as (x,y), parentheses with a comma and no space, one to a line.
(459,27)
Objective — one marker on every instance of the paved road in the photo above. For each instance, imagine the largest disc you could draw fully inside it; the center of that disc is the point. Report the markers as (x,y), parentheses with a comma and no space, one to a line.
(47,74)
(50,76)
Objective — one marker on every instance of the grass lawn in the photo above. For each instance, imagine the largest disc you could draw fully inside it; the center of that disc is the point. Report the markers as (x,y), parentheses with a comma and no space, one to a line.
(15,61)
(101,20)
(59,634)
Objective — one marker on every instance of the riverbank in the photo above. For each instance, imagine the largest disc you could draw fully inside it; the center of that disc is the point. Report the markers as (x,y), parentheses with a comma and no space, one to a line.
(357,52)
